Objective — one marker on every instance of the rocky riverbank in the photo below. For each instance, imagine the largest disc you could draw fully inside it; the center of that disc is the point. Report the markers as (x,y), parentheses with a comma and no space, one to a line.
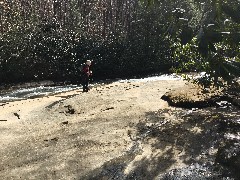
(119,130)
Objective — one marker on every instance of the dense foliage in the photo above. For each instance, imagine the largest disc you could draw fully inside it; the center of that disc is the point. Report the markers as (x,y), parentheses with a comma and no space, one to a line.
(50,39)
(212,44)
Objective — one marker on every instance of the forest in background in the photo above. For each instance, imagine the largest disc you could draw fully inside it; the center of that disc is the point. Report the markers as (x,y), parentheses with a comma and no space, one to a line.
(50,39)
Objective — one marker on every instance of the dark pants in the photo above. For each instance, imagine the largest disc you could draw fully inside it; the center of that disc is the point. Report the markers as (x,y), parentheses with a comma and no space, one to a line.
(85,83)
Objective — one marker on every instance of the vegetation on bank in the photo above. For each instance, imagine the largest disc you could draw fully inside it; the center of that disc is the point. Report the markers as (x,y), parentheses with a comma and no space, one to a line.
(50,39)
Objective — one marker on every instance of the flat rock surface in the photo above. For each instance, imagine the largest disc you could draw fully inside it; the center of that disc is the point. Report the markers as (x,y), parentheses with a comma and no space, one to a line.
(120,130)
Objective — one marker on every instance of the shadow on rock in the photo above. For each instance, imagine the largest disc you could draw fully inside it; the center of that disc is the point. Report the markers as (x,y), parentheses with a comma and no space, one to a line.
(184,144)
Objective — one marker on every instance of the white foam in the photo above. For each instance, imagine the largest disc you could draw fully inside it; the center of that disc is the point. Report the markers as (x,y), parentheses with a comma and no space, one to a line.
(165,77)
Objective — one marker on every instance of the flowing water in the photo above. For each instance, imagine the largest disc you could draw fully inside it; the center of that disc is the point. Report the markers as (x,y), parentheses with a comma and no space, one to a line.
(26,93)
(46,90)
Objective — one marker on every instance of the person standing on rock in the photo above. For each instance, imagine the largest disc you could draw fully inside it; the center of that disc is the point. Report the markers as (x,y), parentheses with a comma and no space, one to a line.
(85,75)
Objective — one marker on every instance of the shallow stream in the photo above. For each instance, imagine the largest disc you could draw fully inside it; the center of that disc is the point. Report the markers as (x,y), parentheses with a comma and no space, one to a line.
(46,90)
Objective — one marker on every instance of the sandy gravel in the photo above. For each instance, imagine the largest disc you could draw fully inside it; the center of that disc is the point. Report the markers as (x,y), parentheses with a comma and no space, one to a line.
(74,135)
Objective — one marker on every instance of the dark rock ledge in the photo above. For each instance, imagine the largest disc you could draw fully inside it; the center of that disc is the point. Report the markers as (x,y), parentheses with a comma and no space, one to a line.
(192,96)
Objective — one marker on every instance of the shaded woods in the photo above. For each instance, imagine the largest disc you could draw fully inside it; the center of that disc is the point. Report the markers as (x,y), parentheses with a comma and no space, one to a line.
(50,39)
